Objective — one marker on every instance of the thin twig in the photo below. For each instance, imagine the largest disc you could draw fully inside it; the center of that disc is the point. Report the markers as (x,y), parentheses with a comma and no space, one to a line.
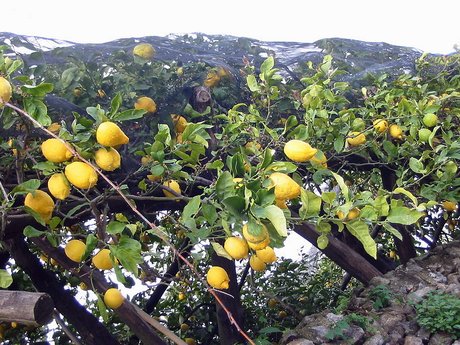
(66,329)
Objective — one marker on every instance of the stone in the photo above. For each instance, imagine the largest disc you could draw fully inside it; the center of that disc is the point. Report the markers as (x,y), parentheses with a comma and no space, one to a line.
(301,342)
(417,295)
(379,281)
(413,340)
(375,340)
(440,339)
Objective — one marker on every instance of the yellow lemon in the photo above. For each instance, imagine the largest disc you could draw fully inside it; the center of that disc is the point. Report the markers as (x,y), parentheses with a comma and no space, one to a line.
(5,91)
(396,132)
(146,103)
(179,138)
(145,160)
(259,245)
(353,213)
(218,278)
(102,260)
(255,238)
(55,151)
(212,79)
(153,178)
(190,341)
(184,327)
(281,203)
(340,214)
(81,175)
(299,151)
(10,144)
(257,264)
(107,159)
(319,159)
(74,250)
(58,186)
(109,134)
(380,125)
(40,202)
(113,298)
(54,127)
(236,247)
(449,206)
(144,50)
(267,255)
(181,296)
(180,123)
(285,187)
(83,286)
(356,138)
(174,186)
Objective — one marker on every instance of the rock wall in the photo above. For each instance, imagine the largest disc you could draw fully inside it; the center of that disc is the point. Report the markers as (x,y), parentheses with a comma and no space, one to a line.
(394,322)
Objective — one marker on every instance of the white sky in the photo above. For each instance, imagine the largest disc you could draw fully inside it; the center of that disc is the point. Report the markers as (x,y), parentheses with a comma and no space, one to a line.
(428,25)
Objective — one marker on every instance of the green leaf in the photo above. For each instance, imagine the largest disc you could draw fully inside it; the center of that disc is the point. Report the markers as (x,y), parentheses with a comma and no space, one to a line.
(219,249)
(102,308)
(322,241)
(328,197)
(30,231)
(130,114)
(416,166)
(342,185)
(284,167)
(267,65)
(274,214)
(392,230)
(235,204)
(38,90)
(252,83)
(91,243)
(311,204)
(28,186)
(209,213)
(5,279)
(400,190)
(37,109)
(115,227)
(403,215)
(381,205)
(225,186)
(192,208)
(128,252)
(115,104)
(360,230)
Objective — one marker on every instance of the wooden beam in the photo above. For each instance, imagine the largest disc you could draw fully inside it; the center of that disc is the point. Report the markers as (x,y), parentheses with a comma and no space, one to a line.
(27,308)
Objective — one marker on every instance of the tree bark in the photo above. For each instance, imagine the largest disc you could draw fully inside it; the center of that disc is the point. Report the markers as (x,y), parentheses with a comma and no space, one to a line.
(27,308)
(341,254)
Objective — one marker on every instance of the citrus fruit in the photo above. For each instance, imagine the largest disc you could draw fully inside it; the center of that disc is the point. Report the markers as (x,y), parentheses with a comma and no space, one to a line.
(180,123)
(107,159)
(430,120)
(340,214)
(267,255)
(259,245)
(256,263)
(424,134)
(449,206)
(55,151)
(102,260)
(54,127)
(113,298)
(74,250)
(236,247)
(81,175)
(319,159)
(190,341)
(260,236)
(144,50)
(285,187)
(358,124)
(218,278)
(451,167)
(146,103)
(181,296)
(353,213)
(109,134)
(153,178)
(174,186)
(356,138)
(212,79)
(184,327)
(252,147)
(299,151)
(282,314)
(58,186)
(40,202)
(5,91)
(281,203)
(145,160)
(272,303)
(396,132)
(380,125)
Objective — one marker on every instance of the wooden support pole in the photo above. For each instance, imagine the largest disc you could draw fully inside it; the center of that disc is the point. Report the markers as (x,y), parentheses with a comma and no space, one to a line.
(27,308)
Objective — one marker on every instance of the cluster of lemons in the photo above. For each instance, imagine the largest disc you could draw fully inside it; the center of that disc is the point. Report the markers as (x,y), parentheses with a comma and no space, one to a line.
(357,138)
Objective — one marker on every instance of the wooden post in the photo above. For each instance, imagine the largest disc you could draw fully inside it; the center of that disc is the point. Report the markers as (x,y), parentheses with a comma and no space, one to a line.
(27,308)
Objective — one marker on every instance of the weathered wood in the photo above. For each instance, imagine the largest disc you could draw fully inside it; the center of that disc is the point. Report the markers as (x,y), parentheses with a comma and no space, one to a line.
(27,308)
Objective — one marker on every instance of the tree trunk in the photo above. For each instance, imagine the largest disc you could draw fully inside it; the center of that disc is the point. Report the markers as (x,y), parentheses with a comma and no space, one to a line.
(228,334)
(342,255)
(27,308)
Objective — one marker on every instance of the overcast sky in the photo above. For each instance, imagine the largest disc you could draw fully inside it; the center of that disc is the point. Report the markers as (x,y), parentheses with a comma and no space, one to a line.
(432,26)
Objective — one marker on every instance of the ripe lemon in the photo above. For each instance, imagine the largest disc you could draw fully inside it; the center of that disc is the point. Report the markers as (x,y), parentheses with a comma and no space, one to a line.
(449,206)
(380,125)
(212,79)
(113,298)
(74,250)
(267,255)
(396,132)
(180,123)
(144,50)
(181,296)
(281,203)
(5,91)
(81,175)
(257,264)
(236,247)
(285,187)
(255,238)
(190,341)
(174,186)
(83,286)
(353,213)
(430,120)
(356,138)
(259,245)
(272,303)
(218,278)
(55,151)
(58,186)
(146,103)
(153,178)
(299,151)
(109,134)
(40,202)
(107,159)
(102,260)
